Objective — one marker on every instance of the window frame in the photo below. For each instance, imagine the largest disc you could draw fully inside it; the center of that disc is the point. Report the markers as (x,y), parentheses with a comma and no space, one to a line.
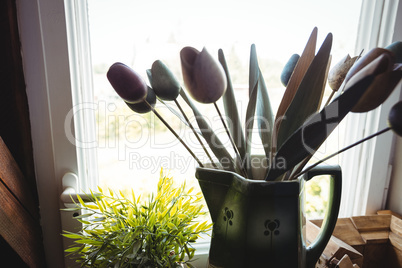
(47,76)
(375,157)
(48,67)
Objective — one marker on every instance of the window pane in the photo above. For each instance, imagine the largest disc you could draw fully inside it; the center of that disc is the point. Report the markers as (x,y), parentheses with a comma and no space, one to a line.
(132,148)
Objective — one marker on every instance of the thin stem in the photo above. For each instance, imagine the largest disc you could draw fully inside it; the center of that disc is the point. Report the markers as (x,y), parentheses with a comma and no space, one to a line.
(330,97)
(174,133)
(342,150)
(231,140)
(195,133)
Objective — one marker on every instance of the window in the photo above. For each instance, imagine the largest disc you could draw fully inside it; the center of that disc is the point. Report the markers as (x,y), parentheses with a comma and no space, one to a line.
(54,64)
(131,148)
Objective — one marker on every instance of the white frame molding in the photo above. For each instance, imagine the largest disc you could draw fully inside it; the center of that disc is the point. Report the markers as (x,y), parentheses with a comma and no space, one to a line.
(47,76)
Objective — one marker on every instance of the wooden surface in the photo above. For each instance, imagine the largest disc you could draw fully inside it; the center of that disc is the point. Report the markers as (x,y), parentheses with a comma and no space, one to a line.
(336,248)
(378,238)
(13,179)
(18,223)
(372,223)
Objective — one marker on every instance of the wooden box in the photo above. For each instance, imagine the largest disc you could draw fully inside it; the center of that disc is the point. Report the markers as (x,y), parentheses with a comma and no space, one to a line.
(368,241)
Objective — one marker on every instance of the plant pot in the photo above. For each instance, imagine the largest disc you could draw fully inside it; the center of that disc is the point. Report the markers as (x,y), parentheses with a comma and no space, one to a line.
(262,224)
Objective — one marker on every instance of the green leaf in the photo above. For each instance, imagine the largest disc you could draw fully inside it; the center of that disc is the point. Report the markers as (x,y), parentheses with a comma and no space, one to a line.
(209,135)
(84,222)
(259,107)
(70,209)
(231,111)
(82,216)
(73,249)
(254,73)
(99,219)
(89,242)
(309,137)
(265,116)
(307,99)
(72,235)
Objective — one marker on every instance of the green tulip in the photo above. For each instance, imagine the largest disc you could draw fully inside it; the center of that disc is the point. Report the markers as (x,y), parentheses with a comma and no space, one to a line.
(127,83)
(396,48)
(163,82)
(289,68)
(203,76)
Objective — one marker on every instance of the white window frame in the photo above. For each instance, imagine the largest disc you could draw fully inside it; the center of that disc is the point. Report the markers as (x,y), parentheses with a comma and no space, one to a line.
(47,69)
(367,168)
(47,76)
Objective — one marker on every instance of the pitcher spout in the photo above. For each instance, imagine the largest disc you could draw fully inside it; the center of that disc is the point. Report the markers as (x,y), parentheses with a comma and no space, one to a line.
(214,185)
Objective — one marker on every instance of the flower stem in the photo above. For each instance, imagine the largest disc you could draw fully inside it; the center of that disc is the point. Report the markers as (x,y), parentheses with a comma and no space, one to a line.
(342,150)
(174,133)
(330,97)
(195,133)
(231,140)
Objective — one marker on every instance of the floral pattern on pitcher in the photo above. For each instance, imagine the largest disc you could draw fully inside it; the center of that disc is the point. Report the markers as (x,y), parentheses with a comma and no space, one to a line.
(271,229)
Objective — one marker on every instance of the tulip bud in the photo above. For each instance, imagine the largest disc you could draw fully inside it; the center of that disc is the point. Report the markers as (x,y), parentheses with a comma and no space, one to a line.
(395,118)
(367,59)
(379,65)
(379,90)
(396,48)
(163,82)
(127,83)
(203,76)
(288,69)
(382,86)
(144,106)
(338,73)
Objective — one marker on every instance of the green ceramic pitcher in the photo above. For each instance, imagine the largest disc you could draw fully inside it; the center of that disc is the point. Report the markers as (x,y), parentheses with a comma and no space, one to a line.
(262,224)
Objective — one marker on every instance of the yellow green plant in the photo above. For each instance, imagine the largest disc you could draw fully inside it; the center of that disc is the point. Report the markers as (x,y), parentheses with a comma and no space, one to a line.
(129,231)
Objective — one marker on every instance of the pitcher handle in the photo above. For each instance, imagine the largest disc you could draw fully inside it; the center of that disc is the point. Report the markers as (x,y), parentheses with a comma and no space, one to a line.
(315,249)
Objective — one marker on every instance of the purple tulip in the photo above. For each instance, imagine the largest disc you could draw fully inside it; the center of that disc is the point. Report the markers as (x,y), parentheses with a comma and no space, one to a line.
(203,76)
(127,83)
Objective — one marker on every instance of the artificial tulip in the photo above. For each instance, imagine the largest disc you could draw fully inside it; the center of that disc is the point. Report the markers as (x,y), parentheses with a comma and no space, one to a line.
(146,105)
(385,81)
(367,59)
(396,48)
(289,68)
(395,118)
(203,76)
(163,82)
(338,73)
(127,83)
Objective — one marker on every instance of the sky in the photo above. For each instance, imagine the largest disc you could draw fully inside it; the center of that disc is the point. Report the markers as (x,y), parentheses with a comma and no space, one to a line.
(121,30)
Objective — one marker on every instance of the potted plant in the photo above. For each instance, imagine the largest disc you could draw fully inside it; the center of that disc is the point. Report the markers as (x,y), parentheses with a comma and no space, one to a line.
(125,230)
(258,219)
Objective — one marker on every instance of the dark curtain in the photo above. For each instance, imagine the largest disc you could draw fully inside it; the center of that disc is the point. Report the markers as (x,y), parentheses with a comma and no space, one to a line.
(18,194)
